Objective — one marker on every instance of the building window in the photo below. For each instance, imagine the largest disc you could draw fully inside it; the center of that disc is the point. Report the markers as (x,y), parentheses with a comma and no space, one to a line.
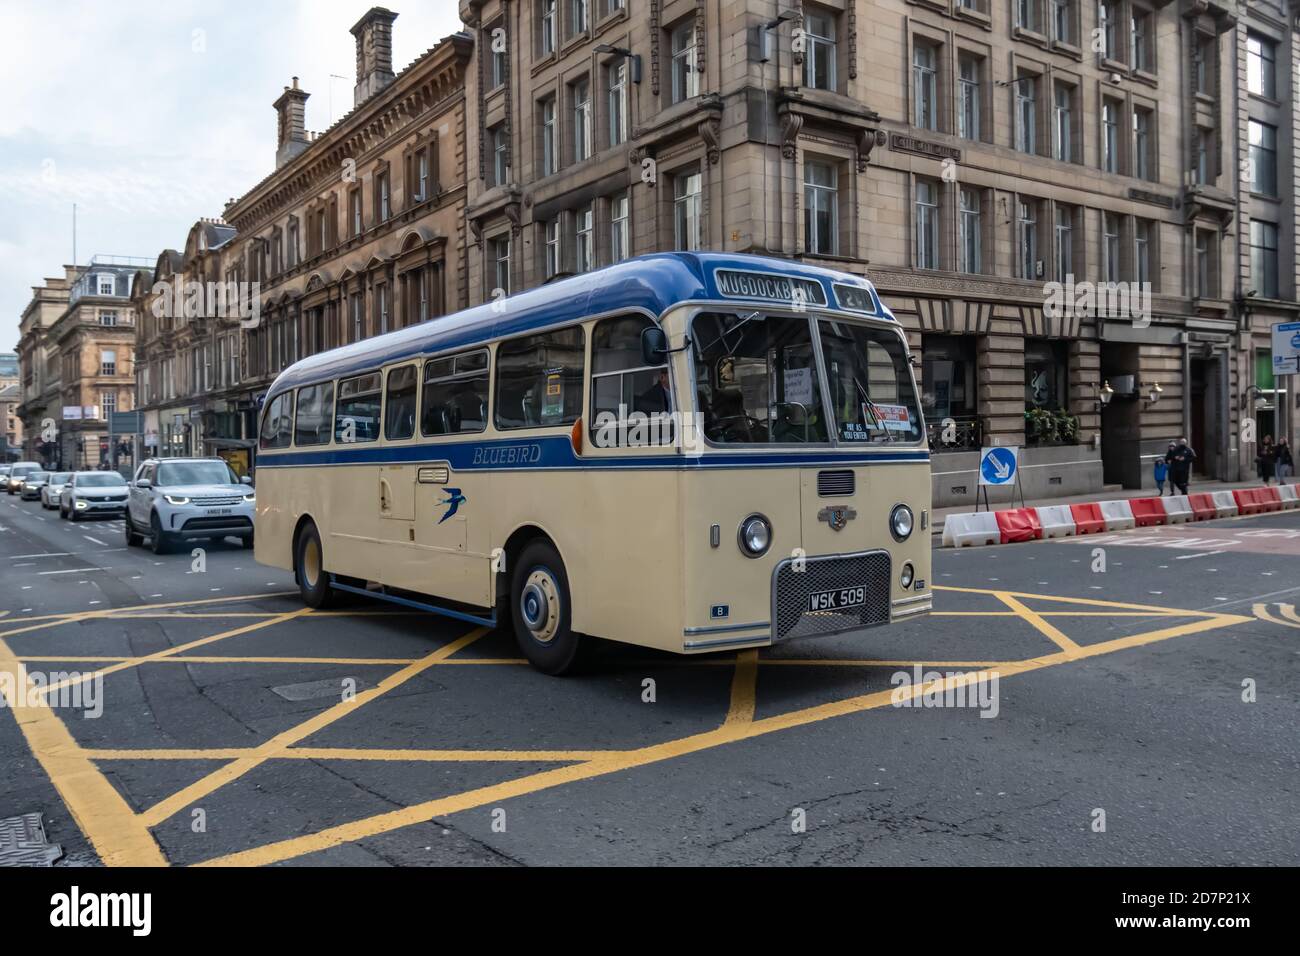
(968,96)
(108,362)
(1106,23)
(969,236)
(924,84)
(1207,284)
(686,210)
(104,285)
(358,317)
(584,258)
(819,50)
(422,191)
(551,248)
(498,77)
(619,233)
(821,202)
(547,26)
(1064,242)
(1263,158)
(548,136)
(1046,374)
(581,94)
(1261,66)
(617,99)
(1142,251)
(107,405)
(1140,40)
(686,78)
(1027,222)
(1027,14)
(927,225)
(382,197)
(1142,152)
(581,16)
(1201,156)
(1110,247)
(1204,49)
(1110,112)
(1063,21)
(1064,124)
(499,251)
(500,155)
(107,318)
(1027,113)
(1263,258)
(354,216)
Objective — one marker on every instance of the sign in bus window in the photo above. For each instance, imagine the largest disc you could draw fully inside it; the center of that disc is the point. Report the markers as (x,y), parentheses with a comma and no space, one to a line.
(356,417)
(871,383)
(756,379)
(539,379)
(455,394)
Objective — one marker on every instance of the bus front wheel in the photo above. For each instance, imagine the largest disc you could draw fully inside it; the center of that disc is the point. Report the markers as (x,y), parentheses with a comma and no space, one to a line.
(539,608)
(309,569)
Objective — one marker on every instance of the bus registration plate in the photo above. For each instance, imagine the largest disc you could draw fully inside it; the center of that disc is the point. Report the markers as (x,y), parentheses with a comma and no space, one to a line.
(837,600)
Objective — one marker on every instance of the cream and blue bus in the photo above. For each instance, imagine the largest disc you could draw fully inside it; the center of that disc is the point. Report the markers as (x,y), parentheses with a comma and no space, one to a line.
(683,451)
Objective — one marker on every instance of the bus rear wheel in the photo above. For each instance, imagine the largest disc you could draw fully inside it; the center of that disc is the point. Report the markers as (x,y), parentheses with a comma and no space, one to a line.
(539,609)
(309,569)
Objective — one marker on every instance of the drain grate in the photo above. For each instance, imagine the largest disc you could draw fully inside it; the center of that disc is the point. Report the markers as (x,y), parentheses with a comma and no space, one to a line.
(22,842)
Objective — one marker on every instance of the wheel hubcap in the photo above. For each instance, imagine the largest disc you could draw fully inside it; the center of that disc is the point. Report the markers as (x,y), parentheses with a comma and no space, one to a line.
(539,605)
(311,562)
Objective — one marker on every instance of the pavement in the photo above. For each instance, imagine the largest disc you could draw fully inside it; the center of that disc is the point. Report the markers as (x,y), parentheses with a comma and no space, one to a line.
(1123,699)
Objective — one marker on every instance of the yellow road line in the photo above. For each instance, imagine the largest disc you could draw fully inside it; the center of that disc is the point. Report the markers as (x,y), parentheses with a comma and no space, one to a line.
(55,620)
(727,733)
(350,753)
(1152,609)
(1264,614)
(286,739)
(109,823)
(743,688)
(219,659)
(1052,633)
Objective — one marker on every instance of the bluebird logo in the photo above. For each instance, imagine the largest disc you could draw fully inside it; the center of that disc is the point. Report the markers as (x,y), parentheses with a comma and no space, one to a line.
(454,498)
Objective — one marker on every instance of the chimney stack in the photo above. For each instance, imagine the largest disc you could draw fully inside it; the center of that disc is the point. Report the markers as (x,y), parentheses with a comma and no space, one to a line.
(291,109)
(374,33)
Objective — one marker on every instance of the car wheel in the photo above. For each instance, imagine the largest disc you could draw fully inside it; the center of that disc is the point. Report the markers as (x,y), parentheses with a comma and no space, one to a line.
(309,569)
(540,610)
(133,538)
(247,542)
(73,515)
(159,540)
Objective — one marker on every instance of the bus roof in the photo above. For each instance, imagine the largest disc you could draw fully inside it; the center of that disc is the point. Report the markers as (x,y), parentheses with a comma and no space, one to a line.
(654,282)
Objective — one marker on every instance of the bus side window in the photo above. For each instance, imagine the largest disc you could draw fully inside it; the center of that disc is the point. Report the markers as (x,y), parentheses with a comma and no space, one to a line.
(277,426)
(399,416)
(356,415)
(455,394)
(315,412)
(539,379)
(625,390)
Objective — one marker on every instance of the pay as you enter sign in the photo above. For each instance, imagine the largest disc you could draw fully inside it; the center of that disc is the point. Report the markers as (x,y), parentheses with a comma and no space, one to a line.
(1286,348)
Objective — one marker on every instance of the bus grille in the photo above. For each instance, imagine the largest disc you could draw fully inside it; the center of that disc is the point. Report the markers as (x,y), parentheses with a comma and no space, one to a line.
(835,484)
(792,591)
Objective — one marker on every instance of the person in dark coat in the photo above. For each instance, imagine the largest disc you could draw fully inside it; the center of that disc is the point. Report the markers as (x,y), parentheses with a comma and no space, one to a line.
(1285,463)
(1265,459)
(1180,459)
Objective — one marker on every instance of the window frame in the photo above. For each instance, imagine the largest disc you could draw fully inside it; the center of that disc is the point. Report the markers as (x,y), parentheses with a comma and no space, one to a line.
(456,376)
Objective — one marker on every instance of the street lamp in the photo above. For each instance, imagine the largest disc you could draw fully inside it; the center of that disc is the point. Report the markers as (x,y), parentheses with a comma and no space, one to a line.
(1154,393)
(627,54)
(765,33)
(1104,395)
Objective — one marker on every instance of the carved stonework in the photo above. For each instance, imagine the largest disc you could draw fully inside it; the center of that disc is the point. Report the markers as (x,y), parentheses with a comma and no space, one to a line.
(869,139)
(791,123)
(798,48)
(709,130)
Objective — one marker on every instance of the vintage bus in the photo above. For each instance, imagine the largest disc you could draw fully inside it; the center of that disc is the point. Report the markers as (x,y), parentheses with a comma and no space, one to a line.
(685,451)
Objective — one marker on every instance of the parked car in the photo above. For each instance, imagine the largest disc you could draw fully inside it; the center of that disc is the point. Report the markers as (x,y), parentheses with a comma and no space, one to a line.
(17,473)
(30,489)
(4,474)
(179,499)
(53,488)
(93,493)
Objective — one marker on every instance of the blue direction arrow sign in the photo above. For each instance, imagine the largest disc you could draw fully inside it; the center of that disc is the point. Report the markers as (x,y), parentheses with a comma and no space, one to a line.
(998,466)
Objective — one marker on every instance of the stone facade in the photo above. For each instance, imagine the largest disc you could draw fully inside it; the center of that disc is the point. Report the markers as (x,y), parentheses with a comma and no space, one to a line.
(39,368)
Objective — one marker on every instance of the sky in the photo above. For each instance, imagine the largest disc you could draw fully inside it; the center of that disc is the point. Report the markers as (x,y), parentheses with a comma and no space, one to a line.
(151,114)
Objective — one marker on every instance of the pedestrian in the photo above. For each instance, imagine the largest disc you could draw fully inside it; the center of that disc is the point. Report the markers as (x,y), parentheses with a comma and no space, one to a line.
(1180,459)
(1285,463)
(1265,459)
(1162,471)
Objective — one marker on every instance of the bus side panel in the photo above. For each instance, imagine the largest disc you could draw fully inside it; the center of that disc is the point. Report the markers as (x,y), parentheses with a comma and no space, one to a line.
(273,525)
(616,531)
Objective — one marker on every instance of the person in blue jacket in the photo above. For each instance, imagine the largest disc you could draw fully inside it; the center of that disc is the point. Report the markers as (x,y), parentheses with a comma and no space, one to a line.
(1162,472)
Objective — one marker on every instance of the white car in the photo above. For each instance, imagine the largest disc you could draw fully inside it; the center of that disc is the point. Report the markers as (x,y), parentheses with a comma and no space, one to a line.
(93,493)
(54,488)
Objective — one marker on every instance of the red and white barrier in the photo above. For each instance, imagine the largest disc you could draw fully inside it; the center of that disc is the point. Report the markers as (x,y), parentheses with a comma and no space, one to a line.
(1057,521)
(1177,508)
(1148,511)
(974,528)
(1117,515)
(1225,504)
(1289,497)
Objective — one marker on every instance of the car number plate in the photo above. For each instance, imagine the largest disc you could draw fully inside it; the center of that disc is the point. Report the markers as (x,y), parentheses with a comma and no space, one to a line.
(837,600)
(218,511)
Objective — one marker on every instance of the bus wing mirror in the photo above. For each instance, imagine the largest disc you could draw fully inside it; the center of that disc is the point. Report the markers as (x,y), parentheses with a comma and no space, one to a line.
(654,345)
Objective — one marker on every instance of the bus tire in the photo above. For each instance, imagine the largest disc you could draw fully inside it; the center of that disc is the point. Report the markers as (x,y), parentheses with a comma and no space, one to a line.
(309,569)
(540,609)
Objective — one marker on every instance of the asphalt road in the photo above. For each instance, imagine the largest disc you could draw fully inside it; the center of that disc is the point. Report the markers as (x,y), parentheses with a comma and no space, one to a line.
(199,714)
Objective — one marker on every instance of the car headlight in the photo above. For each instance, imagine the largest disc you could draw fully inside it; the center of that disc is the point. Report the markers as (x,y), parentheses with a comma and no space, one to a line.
(755,536)
(251,496)
(900,522)
(177,499)
(79,504)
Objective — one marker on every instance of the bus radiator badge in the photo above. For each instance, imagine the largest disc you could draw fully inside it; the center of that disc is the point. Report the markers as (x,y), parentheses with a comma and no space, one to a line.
(837,518)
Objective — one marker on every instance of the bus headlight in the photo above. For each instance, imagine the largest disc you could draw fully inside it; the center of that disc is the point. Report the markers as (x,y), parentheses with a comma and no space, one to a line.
(755,536)
(905,578)
(900,522)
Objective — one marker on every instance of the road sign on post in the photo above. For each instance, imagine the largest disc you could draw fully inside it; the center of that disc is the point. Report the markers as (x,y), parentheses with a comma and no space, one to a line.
(1286,348)
(999,465)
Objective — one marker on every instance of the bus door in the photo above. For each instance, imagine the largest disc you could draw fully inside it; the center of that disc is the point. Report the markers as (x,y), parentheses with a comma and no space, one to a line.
(449,505)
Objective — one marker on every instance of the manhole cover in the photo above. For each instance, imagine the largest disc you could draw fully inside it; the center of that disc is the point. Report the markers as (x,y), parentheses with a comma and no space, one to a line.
(321,688)
(22,842)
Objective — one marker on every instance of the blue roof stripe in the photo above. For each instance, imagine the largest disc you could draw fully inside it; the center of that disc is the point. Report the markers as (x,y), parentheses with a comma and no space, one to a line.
(654,282)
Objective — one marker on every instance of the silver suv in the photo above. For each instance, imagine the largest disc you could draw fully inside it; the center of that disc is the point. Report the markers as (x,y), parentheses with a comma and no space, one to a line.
(178,499)
(20,470)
